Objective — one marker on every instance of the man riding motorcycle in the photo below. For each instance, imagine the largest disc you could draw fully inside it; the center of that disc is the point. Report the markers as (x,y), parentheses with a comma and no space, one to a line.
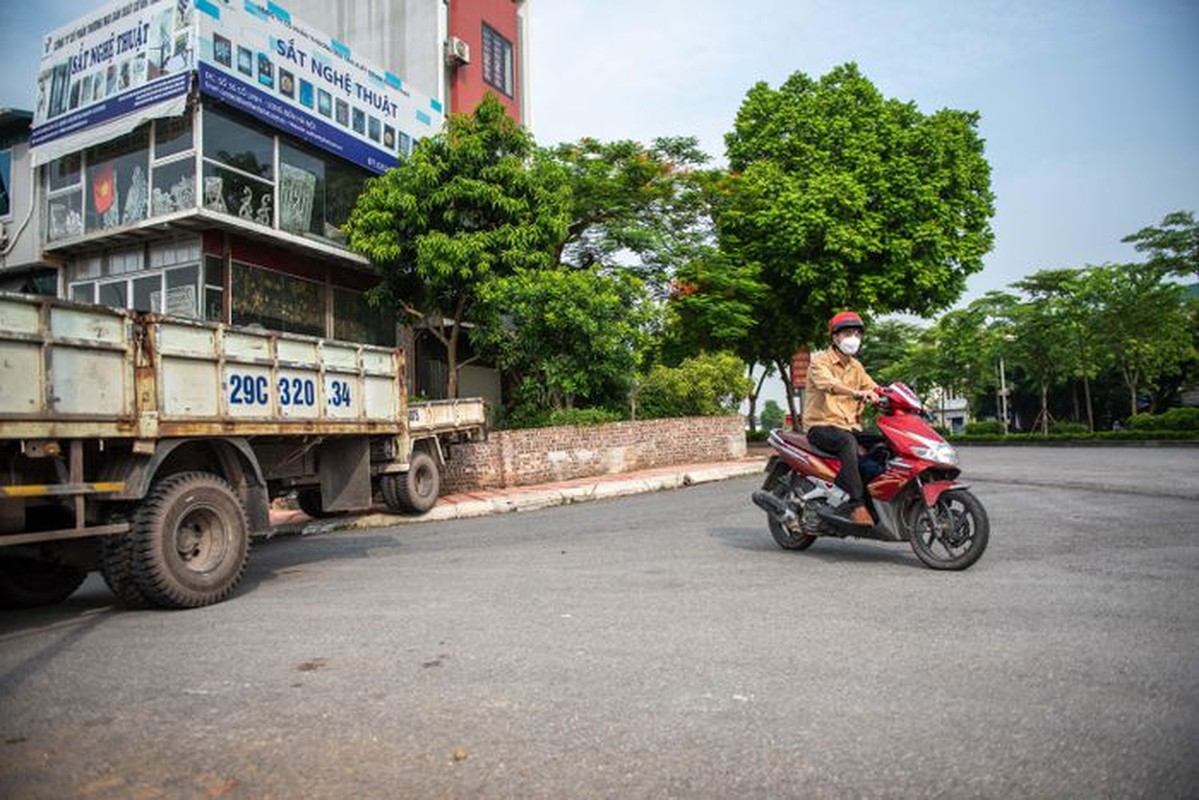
(837,388)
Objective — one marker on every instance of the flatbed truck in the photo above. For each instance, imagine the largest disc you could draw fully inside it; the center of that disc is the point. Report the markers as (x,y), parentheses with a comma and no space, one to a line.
(151,447)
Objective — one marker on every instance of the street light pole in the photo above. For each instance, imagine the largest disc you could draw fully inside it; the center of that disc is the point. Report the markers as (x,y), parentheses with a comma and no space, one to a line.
(1003,393)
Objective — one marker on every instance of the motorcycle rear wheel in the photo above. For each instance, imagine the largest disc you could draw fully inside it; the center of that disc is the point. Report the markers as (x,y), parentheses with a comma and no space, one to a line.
(778,483)
(951,535)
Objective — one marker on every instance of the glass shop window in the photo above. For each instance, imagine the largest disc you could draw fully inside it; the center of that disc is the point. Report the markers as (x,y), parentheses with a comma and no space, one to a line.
(239,168)
(277,301)
(174,167)
(316,192)
(356,320)
(117,182)
(64,198)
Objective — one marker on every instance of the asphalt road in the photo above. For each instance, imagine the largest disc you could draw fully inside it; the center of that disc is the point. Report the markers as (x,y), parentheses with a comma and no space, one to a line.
(653,646)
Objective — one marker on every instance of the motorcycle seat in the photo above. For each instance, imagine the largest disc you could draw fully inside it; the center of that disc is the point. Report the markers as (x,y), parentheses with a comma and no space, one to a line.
(800,440)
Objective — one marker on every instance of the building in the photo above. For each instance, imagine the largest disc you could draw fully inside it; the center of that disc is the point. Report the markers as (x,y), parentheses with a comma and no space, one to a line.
(21,269)
(456,50)
(200,157)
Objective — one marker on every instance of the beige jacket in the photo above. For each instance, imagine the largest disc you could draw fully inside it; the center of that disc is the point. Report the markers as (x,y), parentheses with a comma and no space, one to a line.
(828,397)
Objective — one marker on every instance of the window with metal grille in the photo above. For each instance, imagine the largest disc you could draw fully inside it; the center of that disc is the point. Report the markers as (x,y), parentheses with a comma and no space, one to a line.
(497,61)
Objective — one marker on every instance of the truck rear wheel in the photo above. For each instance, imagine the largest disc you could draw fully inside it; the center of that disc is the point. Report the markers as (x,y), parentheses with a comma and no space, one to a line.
(27,582)
(309,501)
(416,490)
(190,541)
(116,567)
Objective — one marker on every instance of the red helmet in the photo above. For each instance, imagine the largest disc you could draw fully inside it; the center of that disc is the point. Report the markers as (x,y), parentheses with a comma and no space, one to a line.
(846,319)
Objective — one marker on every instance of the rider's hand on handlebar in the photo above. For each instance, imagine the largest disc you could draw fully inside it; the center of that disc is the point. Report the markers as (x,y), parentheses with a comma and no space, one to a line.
(866,396)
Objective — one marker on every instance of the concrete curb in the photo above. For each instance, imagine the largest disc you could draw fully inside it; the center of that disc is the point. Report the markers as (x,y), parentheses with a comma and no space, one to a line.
(533,498)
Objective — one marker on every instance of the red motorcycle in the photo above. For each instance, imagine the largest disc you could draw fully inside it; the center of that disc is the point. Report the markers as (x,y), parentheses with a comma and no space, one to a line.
(910,476)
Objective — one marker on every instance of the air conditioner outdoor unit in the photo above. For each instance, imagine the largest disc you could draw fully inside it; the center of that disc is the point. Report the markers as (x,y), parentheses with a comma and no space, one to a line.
(457,52)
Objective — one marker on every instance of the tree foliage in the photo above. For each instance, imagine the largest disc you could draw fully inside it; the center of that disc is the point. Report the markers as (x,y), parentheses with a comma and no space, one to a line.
(633,206)
(843,198)
(566,334)
(1142,322)
(470,204)
(709,384)
(1172,246)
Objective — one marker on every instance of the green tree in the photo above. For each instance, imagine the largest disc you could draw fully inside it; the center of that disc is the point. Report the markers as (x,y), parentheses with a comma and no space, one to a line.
(470,204)
(634,206)
(843,198)
(570,334)
(1173,246)
(1039,342)
(772,416)
(1075,309)
(711,306)
(1142,321)
(887,342)
(709,384)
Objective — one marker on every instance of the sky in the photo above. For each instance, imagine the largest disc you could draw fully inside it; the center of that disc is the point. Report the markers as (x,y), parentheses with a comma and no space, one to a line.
(1090,110)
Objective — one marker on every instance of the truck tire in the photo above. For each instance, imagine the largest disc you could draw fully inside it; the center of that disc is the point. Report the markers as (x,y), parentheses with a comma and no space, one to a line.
(26,582)
(116,567)
(414,491)
(309,501)
(190,541)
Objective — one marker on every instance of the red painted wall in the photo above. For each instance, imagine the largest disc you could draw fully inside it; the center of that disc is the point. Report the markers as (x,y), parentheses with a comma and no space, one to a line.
(467,86)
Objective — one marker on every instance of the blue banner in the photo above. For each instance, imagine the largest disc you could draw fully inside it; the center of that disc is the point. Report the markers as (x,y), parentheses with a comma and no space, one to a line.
(266,107)
(118,106)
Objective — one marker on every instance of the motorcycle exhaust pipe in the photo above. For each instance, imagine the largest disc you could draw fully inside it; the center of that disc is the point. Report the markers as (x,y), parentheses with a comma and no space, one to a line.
(773,506)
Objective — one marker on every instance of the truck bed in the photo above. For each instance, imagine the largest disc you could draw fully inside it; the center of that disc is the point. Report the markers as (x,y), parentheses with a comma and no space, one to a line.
(81,371)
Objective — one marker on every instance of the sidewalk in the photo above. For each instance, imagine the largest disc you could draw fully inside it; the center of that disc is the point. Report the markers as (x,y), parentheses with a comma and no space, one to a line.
(529,498)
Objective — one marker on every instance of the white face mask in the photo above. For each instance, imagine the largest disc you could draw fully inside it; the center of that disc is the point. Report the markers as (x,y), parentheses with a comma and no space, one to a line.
(850,345)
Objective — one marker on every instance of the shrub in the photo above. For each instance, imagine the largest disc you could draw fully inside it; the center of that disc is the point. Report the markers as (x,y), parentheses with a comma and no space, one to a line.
(584,416)
(1176,419)
(986,427)
(526,417)
(707,385)
(773,415)
(1068,428)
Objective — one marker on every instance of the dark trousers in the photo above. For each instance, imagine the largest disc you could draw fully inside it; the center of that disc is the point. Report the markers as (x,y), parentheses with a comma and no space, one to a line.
(844,445)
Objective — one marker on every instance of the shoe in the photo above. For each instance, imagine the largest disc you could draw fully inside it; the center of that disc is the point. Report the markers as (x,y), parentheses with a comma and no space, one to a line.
(845,518)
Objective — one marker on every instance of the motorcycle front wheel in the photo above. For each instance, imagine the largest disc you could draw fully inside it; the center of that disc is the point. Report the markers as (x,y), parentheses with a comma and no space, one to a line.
(778,483)
(951,534)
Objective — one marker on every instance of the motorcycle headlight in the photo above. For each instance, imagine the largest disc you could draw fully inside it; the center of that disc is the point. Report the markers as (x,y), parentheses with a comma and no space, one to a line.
(937,452)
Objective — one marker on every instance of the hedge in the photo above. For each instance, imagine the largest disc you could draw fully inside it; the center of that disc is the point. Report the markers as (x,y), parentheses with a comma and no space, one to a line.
(1099,436)
(1176,419)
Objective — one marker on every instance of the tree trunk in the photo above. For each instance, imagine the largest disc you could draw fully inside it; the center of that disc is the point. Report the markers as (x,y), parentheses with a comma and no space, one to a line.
(451,352)
(752,398)
(784,368)
(752,402)
(1044,408)
(451,357)
(1086,392)
(1130,380)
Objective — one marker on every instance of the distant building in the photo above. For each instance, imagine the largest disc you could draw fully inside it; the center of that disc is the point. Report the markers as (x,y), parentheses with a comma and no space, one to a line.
(200,157)
(950,411)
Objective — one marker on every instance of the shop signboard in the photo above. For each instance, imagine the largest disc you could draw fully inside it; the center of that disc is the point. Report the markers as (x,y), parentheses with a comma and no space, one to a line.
(126,62)
(260,59)
(133,60)
(799,369)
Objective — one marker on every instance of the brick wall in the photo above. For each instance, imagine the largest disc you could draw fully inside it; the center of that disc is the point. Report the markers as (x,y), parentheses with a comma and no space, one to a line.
(542,455)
